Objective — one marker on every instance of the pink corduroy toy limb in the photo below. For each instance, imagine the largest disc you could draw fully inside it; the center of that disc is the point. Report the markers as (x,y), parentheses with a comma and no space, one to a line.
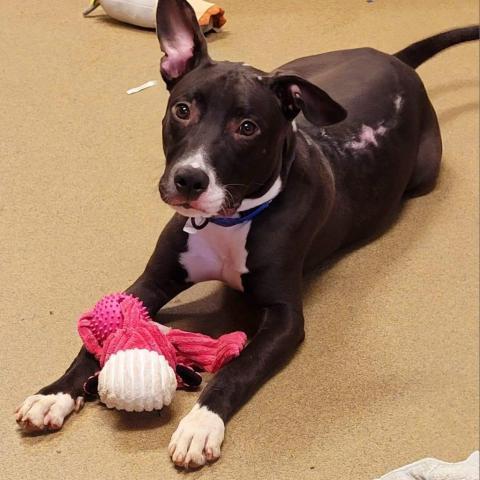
(120,322)
(203,352)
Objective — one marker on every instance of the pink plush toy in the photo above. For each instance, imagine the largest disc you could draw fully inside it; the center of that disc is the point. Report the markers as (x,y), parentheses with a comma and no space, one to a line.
(143,362)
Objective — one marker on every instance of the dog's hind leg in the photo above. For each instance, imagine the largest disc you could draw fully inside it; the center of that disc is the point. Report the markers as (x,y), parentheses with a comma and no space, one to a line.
(427,167)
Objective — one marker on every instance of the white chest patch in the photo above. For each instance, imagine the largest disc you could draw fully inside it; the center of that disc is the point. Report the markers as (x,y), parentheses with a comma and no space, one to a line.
(217,253)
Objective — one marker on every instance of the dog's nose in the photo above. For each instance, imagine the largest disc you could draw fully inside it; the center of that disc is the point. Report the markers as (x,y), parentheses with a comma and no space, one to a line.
(190,182)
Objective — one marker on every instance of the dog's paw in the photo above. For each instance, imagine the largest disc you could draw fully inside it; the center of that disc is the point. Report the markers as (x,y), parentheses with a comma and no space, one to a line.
(198,438)
(46,412)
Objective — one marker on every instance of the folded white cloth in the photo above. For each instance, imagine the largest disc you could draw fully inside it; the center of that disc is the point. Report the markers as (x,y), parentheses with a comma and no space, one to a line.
(433,469)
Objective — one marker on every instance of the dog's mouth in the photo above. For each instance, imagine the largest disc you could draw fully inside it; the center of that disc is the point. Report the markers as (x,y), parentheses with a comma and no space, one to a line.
(196,209)
(200,208)
(220,204)
(186,205)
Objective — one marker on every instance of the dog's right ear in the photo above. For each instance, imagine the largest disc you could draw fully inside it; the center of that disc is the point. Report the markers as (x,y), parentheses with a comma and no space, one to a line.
(181,39)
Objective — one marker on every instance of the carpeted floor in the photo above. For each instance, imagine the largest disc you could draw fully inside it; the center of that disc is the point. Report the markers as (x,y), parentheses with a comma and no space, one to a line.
(389,369)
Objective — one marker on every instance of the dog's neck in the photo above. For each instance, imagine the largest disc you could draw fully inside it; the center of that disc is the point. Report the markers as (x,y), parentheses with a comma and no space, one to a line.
(270,194)
(280,177)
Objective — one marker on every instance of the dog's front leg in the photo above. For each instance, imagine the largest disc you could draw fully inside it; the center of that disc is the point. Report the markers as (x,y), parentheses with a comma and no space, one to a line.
(199,435)
(162,280)
(48,409)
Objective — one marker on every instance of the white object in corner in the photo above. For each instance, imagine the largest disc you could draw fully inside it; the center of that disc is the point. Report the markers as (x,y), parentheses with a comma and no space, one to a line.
(433,469)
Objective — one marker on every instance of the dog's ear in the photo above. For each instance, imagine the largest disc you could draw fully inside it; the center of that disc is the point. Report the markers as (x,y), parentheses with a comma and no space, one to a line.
(297,94)
(181,39)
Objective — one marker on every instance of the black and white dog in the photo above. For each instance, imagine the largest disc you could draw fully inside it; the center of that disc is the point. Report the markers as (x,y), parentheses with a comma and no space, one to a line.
(270,173)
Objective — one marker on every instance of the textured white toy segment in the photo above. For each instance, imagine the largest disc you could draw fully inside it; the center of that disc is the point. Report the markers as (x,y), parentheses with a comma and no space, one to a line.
(433,469)
(136,380)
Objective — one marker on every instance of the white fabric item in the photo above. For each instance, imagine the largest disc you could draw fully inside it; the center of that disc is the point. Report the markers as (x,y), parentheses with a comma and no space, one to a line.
(143,12)
(433,469)
(136,380)
(143,86)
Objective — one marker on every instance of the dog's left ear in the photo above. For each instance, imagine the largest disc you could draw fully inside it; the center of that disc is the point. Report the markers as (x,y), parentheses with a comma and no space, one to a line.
(297,94)
(181,39)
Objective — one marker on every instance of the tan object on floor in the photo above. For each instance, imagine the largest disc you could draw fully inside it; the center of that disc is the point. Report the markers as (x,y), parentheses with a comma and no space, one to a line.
(142,12)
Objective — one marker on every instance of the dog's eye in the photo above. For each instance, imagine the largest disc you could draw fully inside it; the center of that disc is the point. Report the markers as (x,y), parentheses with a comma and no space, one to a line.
(182,111)
(247,128)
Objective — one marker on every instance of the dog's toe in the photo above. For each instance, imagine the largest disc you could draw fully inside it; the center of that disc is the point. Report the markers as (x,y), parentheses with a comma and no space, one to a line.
(195,457)
(198,438)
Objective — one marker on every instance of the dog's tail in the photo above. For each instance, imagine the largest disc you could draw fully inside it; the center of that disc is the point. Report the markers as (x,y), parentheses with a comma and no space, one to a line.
(417,53)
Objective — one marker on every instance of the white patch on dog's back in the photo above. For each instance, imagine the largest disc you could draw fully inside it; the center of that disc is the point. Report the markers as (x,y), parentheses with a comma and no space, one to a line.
(217,253)
(398,102)
(367,137)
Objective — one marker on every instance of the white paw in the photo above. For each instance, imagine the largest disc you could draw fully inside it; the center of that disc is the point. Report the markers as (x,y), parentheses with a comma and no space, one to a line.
(197,439)
(46,412)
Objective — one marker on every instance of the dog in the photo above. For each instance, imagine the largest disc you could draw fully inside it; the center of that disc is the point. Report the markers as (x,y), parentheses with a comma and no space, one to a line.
(269,175)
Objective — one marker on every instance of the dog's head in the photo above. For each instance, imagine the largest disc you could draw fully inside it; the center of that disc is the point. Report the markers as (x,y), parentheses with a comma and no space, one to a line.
(227,126)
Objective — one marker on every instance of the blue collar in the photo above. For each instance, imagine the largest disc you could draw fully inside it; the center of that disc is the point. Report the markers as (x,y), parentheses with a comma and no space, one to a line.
(245,216)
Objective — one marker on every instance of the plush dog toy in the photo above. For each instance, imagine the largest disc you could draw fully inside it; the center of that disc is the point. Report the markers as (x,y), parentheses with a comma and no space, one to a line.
(142,12)
(143,362)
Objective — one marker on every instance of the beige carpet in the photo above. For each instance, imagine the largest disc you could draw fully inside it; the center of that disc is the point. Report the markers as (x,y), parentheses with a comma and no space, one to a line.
(389,369)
